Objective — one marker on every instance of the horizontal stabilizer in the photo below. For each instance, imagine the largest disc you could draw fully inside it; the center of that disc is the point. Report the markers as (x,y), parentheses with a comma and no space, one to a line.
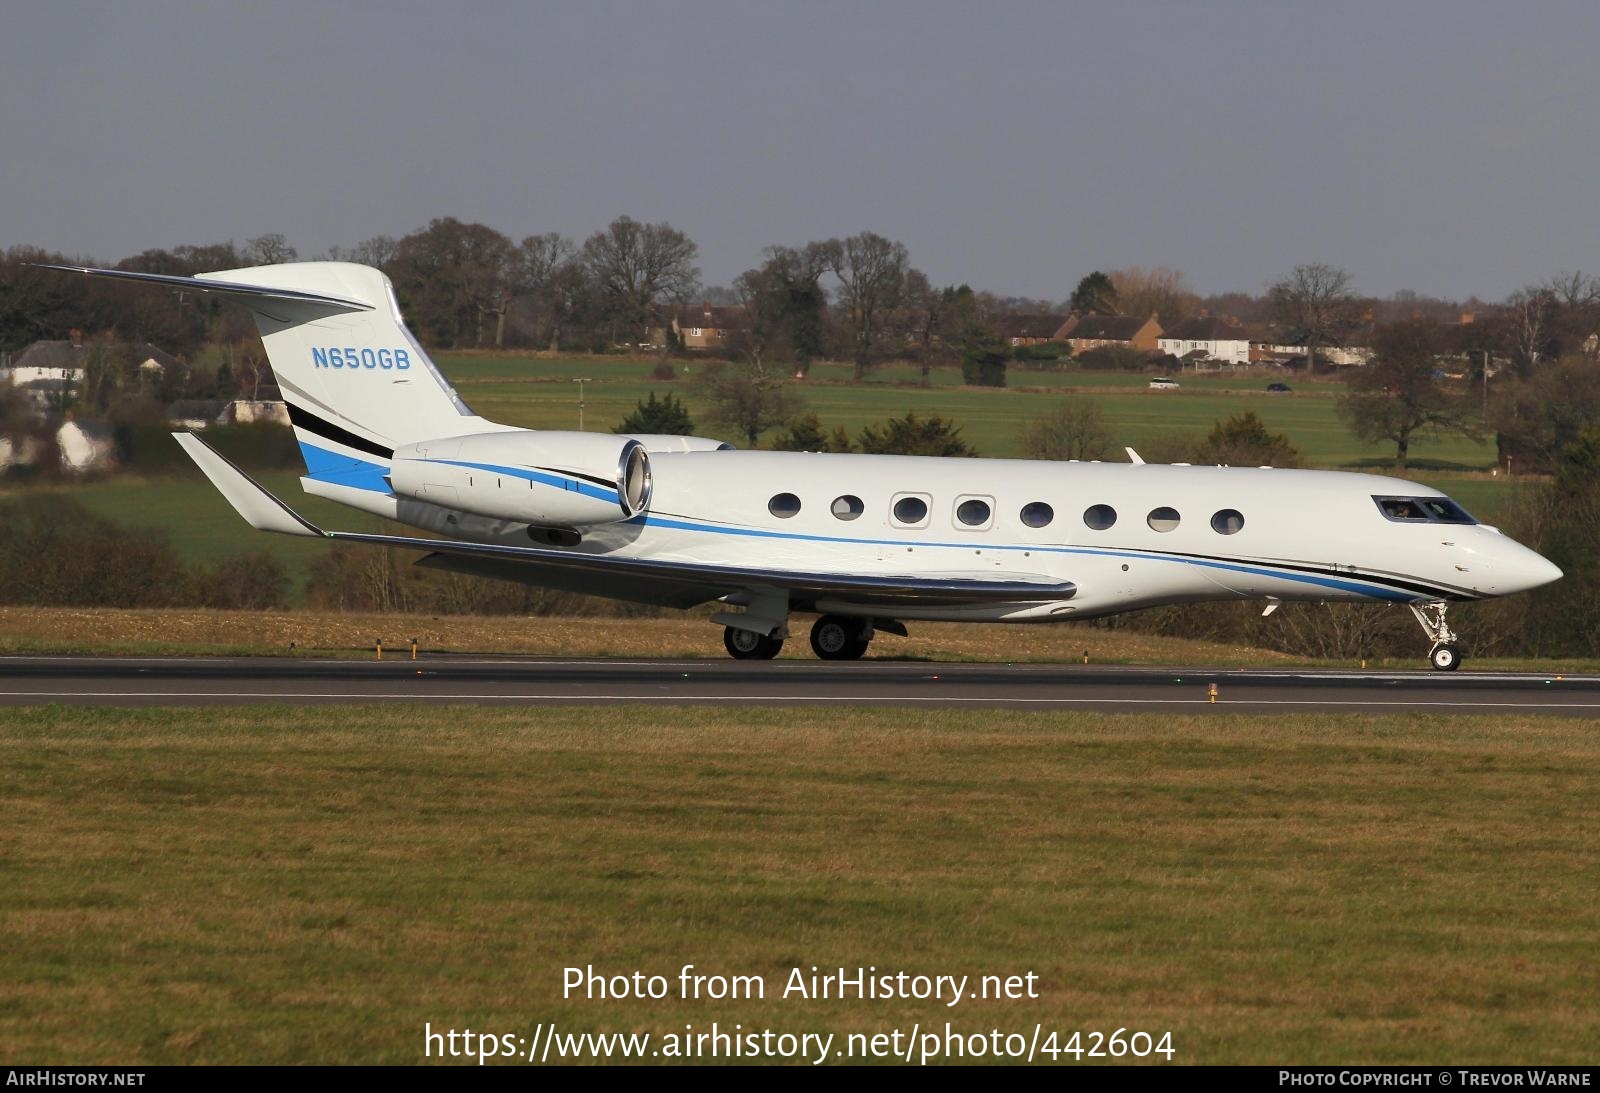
(306,305)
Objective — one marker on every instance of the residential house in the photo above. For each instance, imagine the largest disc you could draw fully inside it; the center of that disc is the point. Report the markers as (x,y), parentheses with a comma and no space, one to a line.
(702,327)
(1207,338)
(1290,350)
(1030,329)
(1083,332)
(48,372)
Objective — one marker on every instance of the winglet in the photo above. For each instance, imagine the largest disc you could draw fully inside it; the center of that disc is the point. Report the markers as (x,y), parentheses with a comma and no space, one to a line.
(249,498)
(1133,457)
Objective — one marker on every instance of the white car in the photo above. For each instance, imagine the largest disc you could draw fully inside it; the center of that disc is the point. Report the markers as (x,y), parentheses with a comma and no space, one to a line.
(1162,383)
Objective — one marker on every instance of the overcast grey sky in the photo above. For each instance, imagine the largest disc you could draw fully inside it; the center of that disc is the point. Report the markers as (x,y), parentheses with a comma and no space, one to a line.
(1449,148)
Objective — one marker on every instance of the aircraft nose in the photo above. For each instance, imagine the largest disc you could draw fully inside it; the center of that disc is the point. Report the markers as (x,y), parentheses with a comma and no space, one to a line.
(1525,569)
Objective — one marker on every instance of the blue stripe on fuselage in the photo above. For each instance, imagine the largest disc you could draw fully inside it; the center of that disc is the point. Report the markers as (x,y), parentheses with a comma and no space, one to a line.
(343,470)
(560,482)
(1361,588)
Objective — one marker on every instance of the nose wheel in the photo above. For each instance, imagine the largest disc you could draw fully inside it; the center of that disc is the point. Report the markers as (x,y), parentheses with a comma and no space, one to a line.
(1445,656)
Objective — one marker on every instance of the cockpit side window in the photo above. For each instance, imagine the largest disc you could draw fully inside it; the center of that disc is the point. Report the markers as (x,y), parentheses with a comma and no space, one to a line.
(1447,511)
(1423,510)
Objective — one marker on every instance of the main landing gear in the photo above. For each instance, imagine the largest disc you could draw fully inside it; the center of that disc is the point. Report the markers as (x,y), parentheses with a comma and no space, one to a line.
(833,637)
(840,637)
(1445,656)
(749,645)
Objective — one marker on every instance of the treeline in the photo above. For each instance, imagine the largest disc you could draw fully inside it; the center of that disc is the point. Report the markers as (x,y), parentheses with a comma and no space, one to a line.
(856,297)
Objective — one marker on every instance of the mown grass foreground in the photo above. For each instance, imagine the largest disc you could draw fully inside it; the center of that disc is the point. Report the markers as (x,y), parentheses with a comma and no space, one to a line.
(284,885)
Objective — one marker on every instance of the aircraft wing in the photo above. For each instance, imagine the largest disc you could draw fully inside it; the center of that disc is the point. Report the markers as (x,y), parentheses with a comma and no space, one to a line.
(670,583)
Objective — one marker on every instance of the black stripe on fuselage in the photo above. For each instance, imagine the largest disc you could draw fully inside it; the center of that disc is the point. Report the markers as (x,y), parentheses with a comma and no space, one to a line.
(563,473)
(311,423)
(1404,584)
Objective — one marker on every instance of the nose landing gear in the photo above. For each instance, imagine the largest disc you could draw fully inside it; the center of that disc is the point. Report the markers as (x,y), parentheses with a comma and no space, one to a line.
(1445,656)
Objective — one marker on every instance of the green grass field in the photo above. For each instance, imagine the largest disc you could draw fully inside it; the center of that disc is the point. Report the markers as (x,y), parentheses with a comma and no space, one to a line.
(539,393)
(280,885)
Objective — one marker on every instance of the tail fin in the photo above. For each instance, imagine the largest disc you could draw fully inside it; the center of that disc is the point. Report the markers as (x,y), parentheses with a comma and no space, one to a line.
(357,383)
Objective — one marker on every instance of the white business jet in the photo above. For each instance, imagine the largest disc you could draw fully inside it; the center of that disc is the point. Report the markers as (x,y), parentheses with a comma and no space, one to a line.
(866,542)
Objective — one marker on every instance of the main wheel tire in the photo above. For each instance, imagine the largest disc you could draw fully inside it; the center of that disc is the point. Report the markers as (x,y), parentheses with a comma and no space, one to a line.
(749,645)
(1445,658)
(838,637)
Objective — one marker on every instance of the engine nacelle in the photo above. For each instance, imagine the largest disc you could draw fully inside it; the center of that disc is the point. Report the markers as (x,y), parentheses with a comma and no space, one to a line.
(552,479)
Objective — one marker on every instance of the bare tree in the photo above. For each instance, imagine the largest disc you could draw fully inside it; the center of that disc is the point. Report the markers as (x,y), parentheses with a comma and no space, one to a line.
(269,250)
(1157,291)
(540,262)
(1073,429)
(376,252)
(1575,289)
(1313,304)
(1399,396)
(1531,314)
(872,274)
(634,266)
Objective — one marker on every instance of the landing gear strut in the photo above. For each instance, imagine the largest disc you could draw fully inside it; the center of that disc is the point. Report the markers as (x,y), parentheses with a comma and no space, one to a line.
(839,637)
(749,645)
(1445,656)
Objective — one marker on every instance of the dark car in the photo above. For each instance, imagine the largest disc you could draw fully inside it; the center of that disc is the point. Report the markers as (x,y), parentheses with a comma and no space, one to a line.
(1278,388)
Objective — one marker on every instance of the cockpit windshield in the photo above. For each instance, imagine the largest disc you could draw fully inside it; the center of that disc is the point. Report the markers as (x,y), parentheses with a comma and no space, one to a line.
(1423,510)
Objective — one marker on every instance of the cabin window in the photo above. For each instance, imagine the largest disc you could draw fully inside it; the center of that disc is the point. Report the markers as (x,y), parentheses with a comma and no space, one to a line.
(848,507)
(1163,519)
(1099,517)
(783,505)
(1037,514)
(1419,510)
(910,510)
(974,512)
(1227,521)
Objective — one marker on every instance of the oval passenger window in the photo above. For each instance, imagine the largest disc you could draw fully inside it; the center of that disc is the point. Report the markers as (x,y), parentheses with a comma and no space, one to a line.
(848,507)
(911,510)
(1163,519)
(1227,521)
(973,513)
(1099,517)
(1037,514)
(783,505)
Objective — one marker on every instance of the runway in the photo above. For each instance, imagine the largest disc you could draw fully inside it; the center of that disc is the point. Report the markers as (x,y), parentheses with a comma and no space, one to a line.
(205,681)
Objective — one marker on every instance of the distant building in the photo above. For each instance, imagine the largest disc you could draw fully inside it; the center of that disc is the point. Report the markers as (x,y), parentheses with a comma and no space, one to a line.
(1212,338)
(1290,349)
(1099,331)
(48,372)
(1030,329)
(701,328)
(51,372)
